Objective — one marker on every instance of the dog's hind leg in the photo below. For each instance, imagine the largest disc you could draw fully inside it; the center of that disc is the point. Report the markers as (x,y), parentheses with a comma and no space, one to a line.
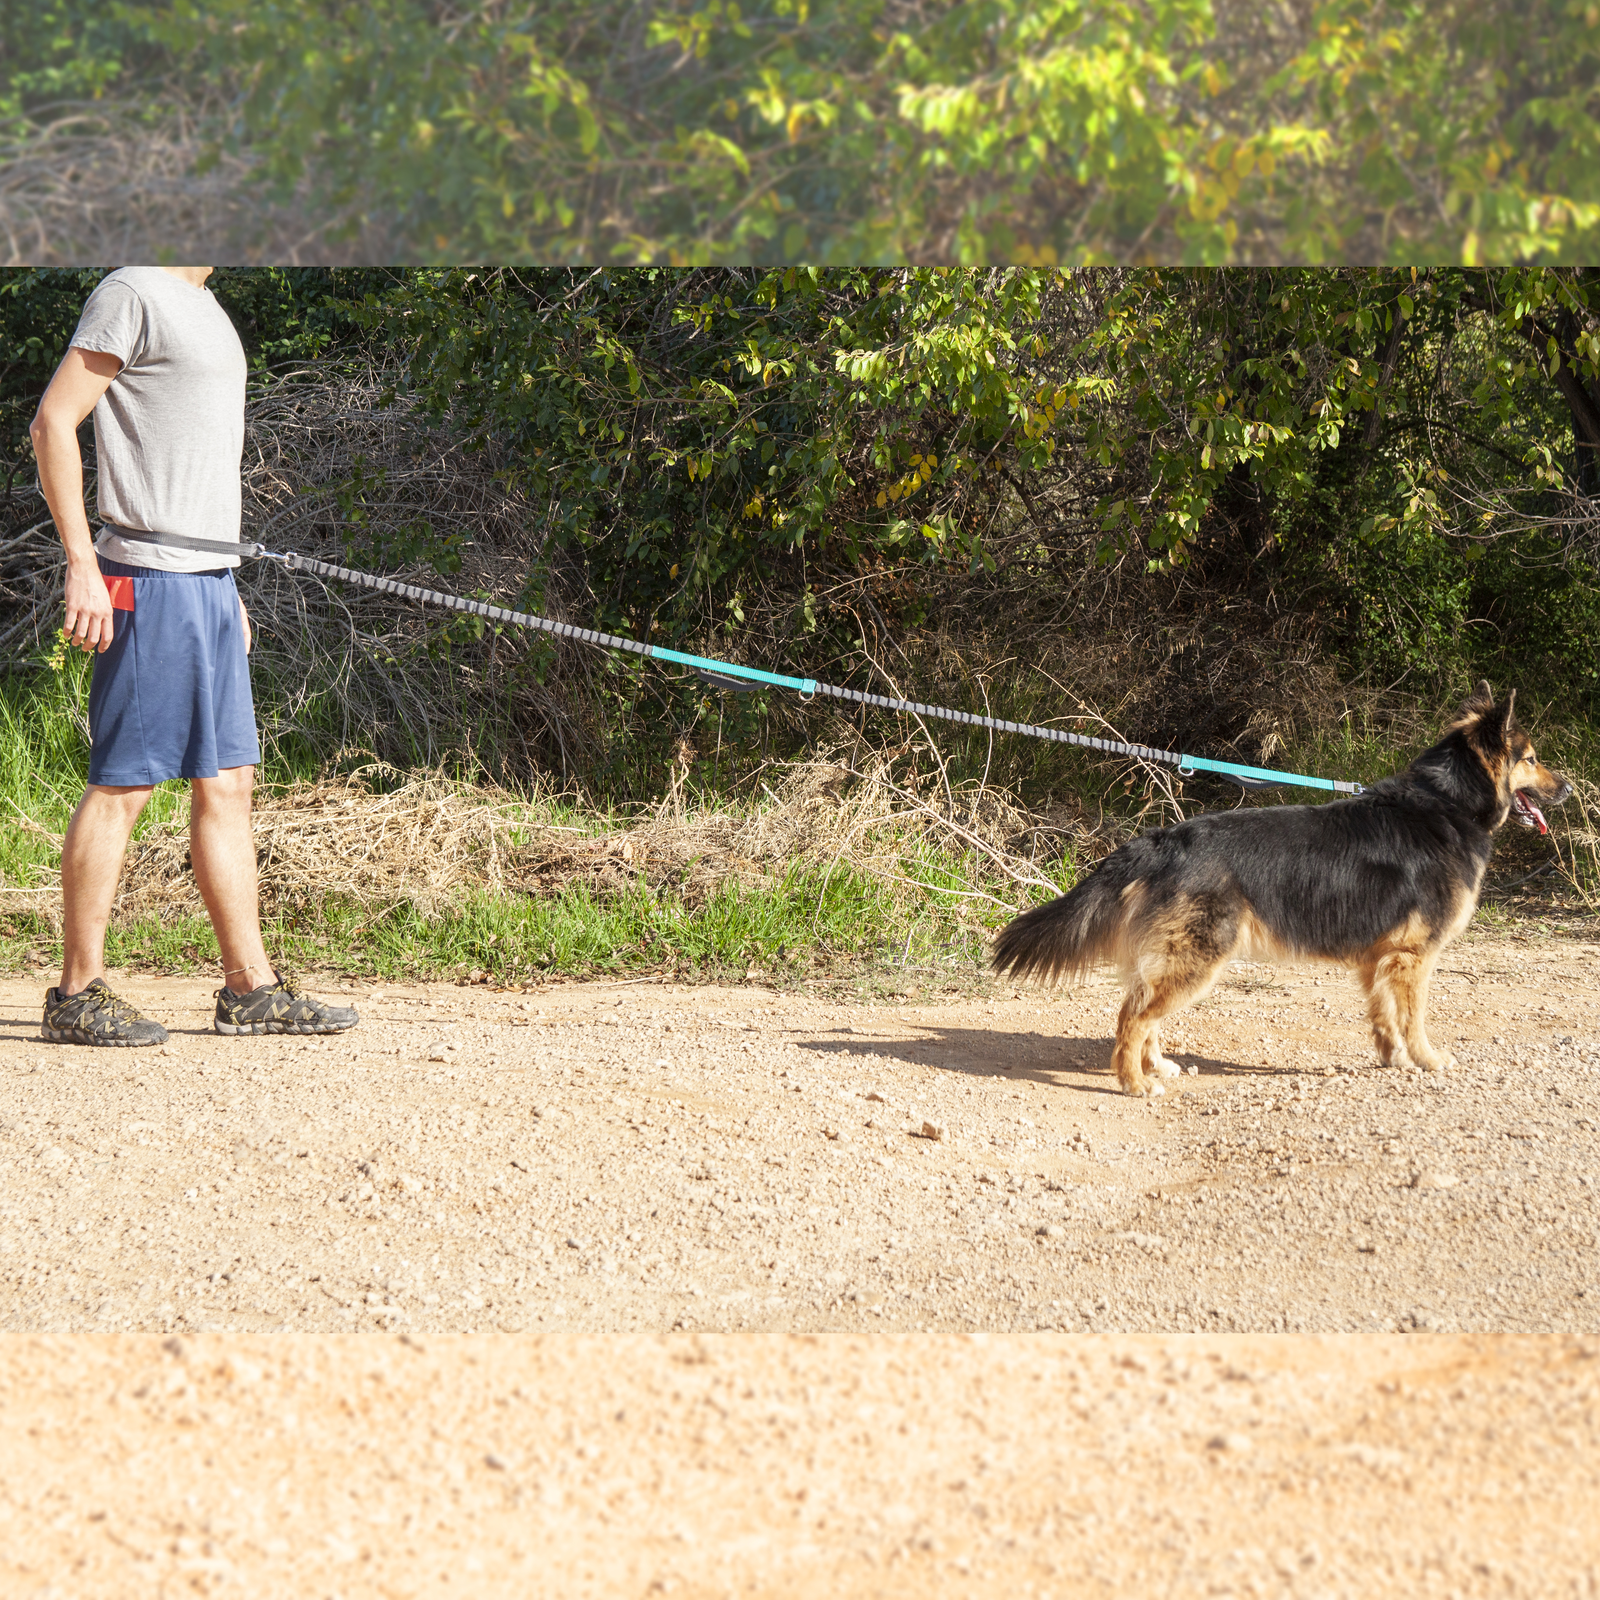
(1154,1063)
(1134,1024)
(1167,974)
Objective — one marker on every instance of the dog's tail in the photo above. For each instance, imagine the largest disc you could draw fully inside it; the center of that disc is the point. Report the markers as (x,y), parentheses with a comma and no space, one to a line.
(1069,936)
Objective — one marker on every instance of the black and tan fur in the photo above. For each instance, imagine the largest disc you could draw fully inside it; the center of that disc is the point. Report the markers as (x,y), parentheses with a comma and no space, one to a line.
(1382,882)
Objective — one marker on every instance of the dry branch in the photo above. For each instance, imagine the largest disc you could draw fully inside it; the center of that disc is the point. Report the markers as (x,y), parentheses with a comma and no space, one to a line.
(108,181)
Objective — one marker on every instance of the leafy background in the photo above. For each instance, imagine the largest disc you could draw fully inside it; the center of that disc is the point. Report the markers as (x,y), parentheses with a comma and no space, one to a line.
(1043,132)
(1218,509)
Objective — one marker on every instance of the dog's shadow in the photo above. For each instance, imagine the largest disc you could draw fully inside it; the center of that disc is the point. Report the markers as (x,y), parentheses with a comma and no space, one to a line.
(1058,1061)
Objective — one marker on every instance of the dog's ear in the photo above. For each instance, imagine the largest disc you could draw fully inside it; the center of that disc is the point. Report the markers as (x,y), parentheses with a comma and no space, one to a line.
(1478,705)
(1491,731)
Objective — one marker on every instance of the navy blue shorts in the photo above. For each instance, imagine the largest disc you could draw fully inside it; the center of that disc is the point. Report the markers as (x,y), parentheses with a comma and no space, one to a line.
(171,696)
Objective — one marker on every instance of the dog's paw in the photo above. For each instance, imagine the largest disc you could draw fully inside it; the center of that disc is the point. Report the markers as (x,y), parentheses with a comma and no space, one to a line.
(1164,1068)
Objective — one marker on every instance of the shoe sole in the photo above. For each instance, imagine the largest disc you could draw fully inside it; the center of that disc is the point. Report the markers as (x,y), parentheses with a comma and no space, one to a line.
(72,1036)
(280,1027)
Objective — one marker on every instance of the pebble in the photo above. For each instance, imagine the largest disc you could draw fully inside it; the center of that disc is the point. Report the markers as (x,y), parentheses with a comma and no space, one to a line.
(933,1130)
(1434,1180)
(1232,1443)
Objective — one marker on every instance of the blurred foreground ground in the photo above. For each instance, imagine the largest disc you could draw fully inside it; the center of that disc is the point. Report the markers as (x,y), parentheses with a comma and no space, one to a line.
(313,1466)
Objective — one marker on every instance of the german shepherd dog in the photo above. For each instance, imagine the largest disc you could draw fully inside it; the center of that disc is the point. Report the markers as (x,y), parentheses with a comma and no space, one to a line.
(1382,882)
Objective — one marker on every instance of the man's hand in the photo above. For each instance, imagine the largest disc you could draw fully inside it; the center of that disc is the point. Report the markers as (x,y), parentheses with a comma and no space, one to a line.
(244,617)
(90,619)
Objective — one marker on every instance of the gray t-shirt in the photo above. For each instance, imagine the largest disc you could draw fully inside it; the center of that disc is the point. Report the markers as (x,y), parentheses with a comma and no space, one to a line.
(169,432)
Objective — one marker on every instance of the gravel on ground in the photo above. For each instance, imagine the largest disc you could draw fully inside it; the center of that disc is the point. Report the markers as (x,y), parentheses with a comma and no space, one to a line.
(646,1157)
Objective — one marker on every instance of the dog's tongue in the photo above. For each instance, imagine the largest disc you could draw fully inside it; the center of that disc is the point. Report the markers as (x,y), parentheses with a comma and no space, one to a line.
(1532,810)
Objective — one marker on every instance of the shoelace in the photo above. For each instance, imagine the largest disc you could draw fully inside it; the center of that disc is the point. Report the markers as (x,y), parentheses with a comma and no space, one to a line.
(118,1009)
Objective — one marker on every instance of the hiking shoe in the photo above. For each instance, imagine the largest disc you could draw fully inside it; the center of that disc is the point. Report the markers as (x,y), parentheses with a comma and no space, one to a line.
(279,1008)
(96,1016)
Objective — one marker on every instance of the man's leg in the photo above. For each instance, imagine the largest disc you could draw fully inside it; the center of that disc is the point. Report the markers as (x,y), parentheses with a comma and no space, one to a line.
(91,864)
(84,1010)
(223,850)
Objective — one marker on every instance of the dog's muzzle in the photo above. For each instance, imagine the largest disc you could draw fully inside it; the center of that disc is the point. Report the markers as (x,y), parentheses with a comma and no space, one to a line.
(1526,809)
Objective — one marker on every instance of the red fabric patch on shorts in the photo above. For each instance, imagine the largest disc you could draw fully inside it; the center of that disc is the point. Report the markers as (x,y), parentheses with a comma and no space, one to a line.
(121,592)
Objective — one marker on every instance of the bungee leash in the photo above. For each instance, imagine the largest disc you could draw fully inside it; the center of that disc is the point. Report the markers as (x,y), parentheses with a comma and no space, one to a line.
(731,675)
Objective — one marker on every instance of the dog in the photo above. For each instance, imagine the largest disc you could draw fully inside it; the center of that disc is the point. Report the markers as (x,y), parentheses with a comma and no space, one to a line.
(1381,881)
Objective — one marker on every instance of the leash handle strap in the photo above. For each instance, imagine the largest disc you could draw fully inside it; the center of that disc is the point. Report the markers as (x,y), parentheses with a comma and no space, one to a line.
(184,541)
(807,688)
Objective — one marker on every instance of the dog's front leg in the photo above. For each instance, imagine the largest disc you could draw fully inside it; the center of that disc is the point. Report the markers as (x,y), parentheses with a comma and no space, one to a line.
(1383,1011)
(1411,991)
(1397,998)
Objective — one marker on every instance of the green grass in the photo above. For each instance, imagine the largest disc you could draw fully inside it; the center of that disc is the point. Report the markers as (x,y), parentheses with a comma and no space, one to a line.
(812,920)
(809,920)
(801,926)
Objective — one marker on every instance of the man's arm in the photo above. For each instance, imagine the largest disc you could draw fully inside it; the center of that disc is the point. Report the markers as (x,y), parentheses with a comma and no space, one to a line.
(80,380)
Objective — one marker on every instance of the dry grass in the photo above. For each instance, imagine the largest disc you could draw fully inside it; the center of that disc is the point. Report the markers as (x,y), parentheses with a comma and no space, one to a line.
(1577,843)
(379,838)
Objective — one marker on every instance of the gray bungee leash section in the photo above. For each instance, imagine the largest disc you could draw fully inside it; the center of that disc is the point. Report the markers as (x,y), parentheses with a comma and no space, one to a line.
(730,674)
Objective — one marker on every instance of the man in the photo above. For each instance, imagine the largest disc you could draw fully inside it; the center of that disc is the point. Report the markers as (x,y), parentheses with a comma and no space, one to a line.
(158,362)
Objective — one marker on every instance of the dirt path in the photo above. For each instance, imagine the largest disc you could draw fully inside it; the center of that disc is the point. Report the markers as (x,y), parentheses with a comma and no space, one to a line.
(302,1467)
(644,1157)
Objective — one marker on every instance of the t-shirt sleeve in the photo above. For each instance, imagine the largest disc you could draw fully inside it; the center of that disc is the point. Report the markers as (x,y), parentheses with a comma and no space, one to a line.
(112,323)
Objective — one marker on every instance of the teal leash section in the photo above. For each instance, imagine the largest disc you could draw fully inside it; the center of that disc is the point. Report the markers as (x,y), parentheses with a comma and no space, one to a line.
(1263,777)
(731,675)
